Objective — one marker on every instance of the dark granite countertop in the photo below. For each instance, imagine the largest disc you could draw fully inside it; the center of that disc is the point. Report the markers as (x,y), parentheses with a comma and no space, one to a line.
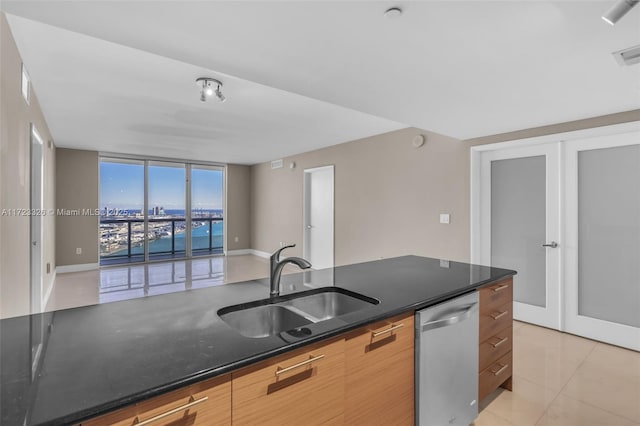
(98,358)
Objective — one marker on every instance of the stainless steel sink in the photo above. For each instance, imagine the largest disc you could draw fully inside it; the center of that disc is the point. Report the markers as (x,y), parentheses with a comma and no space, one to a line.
(263,321)
(268,317)
(326,305)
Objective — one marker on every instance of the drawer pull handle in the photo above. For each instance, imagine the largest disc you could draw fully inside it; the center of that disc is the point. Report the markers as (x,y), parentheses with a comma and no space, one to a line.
(500,287)
(311,359)
(499,315)
(499,342)
(388,330)
(501,370)
(191,403)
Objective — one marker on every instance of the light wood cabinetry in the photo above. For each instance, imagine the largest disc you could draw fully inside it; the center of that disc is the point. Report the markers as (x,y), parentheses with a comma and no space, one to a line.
(496,337)
(306,386)
(206,403)
(364,377)
(379,377)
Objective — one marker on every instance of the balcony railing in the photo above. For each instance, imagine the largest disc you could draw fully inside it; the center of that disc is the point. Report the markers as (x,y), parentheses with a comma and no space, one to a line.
(124,238)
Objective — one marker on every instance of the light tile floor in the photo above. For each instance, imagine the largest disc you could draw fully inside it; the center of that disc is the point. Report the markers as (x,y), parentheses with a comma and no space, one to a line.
(559,379)
(113,283)
(565,380)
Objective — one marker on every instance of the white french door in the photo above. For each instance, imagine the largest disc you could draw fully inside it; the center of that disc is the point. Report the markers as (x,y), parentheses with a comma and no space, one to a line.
(520,226)
(564,211)
(602,238)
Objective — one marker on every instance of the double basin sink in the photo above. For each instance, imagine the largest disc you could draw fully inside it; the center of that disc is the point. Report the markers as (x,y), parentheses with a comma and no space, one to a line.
(291,313)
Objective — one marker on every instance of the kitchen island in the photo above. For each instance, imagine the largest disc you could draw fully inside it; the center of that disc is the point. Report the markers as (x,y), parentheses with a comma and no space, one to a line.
(100,358)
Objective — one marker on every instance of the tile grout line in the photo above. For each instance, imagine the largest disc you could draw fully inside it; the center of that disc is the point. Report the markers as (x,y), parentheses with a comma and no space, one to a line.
(566,383)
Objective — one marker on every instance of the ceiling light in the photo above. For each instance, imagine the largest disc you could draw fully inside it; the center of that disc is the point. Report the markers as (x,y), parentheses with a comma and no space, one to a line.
(629,56)
(207,85)
(618,10)
(219,95)
(394,12)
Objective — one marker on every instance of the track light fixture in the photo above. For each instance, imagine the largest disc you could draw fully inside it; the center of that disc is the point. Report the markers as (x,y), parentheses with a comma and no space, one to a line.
(618,10)
(207,85)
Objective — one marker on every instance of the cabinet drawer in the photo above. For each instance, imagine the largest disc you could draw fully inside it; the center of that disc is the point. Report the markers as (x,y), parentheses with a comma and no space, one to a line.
(495,320)
(206,403)
(495,347)
(494,375)
(380,369)
(496,295)
(307,384)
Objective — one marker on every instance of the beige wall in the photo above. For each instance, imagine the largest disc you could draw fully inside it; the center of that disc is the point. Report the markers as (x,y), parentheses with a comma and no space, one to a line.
(16,118)
(238,207)
(589,123)
(388,197)
(76,188)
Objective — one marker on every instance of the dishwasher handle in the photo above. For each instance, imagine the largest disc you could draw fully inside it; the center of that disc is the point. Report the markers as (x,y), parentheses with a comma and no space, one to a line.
(459,316)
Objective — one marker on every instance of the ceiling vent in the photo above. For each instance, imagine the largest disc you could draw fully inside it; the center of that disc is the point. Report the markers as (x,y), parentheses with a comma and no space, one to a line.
(628,56)
(277,164)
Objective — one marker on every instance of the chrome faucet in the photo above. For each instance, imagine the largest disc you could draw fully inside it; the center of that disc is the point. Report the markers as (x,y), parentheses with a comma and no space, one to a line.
(276,266)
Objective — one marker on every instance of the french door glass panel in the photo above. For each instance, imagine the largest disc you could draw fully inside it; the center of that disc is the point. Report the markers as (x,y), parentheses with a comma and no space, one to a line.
(518,224)
(519,213)
(603,238)
(609,234)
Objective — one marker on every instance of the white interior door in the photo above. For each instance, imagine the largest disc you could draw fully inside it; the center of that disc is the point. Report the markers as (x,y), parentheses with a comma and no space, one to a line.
(602,240)
(37,171)
(519,226)
(318,216)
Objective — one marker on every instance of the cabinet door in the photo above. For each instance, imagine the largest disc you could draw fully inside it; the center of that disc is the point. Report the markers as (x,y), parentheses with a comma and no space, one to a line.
(379,376)
(306,386)
(206,403)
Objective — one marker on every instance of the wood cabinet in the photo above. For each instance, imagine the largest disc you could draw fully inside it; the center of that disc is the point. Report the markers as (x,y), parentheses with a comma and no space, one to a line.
(495,361)
(306,386)
(206,403)
(379,376)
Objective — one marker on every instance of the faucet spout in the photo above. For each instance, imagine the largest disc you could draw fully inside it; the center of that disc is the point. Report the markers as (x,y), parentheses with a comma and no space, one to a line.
(276,269)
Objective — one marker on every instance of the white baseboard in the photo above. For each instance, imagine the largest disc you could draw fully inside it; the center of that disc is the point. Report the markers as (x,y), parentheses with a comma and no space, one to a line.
(239,252)
(260,253)
(77,268)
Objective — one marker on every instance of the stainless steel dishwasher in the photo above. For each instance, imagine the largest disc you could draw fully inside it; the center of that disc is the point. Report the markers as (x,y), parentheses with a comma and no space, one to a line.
(447,362)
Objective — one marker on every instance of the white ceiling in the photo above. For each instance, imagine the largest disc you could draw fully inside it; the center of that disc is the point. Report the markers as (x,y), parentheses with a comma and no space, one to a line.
(461,68)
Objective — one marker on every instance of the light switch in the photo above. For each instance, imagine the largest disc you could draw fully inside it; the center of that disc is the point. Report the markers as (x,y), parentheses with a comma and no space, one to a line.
(444,218)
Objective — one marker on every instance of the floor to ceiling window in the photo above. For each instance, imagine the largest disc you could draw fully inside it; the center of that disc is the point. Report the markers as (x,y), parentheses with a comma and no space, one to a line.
(122,236)
(167,208)
(153,210)
(206,209)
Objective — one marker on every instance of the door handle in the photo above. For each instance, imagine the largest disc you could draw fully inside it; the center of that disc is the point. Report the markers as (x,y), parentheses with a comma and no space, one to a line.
(309,226)
(461,316)
(553,244)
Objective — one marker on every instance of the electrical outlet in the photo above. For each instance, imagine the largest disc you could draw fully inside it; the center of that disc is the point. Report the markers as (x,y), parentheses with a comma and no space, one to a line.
(79,250)
(236,239)
(445,218)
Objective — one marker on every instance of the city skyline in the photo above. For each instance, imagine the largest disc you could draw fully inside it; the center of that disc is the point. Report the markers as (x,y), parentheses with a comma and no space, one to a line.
(122,187)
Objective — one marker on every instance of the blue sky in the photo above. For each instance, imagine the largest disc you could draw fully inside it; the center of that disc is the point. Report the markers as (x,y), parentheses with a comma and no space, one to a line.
(122,187)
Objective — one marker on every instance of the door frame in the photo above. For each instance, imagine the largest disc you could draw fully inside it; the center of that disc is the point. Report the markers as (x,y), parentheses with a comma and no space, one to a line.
(35,262)
(305,211)
(477,227)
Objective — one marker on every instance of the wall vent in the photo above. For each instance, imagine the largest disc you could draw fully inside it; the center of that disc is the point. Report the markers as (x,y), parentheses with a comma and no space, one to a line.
(277,164)
(628,56)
